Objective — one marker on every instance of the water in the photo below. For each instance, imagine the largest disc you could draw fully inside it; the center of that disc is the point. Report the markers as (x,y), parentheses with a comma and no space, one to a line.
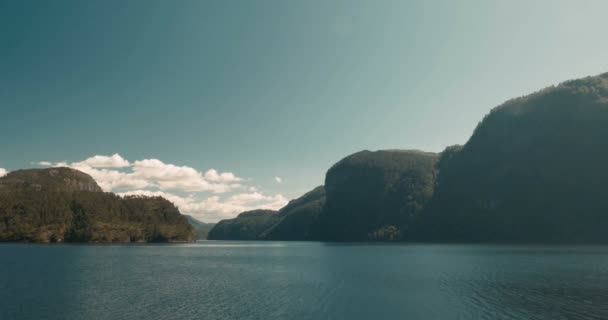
(286,280)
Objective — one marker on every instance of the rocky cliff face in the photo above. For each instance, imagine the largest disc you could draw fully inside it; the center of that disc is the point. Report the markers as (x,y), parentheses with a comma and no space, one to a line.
(61,204)
(292,222)
(368,192)
(367,196)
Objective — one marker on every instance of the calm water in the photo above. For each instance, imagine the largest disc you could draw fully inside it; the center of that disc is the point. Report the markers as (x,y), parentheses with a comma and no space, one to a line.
(281,280)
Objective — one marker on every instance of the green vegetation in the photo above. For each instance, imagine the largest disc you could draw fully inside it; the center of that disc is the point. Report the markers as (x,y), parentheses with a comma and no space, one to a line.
(370,190)
(61,204)
(534,170)
(295,220)
(248,225)
(387,233)
(292,222)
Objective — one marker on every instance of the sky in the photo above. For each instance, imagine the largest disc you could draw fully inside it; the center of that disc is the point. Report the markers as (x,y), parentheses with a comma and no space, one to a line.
(225,106)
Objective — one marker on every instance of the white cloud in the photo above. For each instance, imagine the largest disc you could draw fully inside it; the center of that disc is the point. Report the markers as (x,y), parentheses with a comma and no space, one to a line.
(44,163)
(214,208)
(3,172)
(172,177)
(248,198)
(278,179)
(182,185)
(110,180)
(151,173)
(113,161)
(213,175)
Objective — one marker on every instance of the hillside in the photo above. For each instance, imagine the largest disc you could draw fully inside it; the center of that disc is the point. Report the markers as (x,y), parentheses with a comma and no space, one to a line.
(61,204)
(248,225)
(534,170)
(296,219)
(292,222)
(376,195)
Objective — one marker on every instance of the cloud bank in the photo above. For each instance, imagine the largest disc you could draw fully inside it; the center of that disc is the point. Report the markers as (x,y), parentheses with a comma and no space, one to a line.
(209,196)
(113,174)
(215,208)
(3,172)
(113,161)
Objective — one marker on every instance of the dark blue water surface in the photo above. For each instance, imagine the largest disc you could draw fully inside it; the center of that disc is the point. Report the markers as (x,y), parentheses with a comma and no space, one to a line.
(297,280)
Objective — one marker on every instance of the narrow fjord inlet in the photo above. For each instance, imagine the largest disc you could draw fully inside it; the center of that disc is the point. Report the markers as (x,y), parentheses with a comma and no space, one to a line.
(303,160)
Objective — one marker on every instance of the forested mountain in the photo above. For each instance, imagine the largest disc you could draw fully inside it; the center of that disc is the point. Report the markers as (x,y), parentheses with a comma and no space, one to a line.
(62,204)
(534,170)
(248,225)
(376,195)
(295,220)
(292,222)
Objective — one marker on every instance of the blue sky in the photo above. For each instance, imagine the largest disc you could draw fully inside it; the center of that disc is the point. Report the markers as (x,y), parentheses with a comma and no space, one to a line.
(266,89)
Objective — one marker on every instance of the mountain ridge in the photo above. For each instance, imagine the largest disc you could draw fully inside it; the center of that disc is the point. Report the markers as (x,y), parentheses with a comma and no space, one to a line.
(66,205)
(532,171)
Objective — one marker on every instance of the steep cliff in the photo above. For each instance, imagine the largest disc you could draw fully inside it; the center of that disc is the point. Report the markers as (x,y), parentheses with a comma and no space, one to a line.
(376,195)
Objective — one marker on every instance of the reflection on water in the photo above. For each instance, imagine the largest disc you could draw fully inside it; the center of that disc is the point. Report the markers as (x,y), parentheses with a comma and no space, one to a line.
(295,280)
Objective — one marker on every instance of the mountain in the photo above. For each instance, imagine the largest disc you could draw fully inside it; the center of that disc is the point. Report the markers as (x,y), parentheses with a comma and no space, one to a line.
(248,225)
(201,229)
(534,170)
(62,204)
(295,220)
(292,222)
(376,195)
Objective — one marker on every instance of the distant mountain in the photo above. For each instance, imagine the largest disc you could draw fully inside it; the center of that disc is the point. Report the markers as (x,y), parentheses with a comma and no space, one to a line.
(293,222)
(62,204)
(248,225)
(201,229)
(534,170)
(368,192)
